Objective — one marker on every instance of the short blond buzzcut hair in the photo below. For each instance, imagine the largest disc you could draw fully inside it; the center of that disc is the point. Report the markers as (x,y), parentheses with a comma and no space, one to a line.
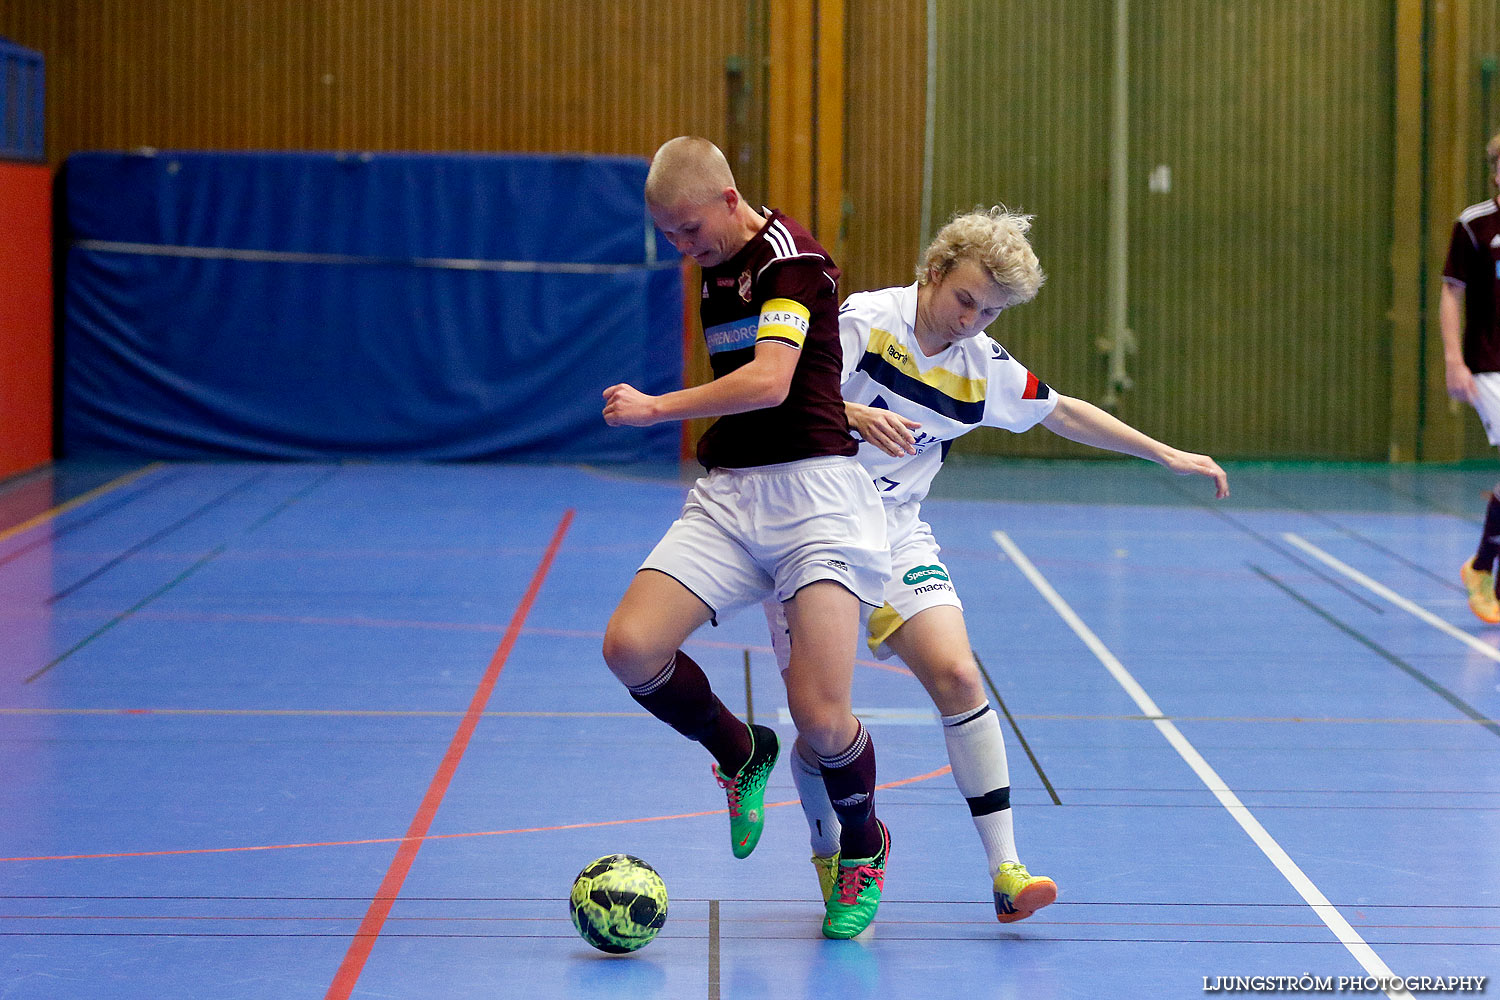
(995,238)
(687,170)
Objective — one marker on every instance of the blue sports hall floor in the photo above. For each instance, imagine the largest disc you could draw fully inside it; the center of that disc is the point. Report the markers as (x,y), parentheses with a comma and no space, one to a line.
(284,731)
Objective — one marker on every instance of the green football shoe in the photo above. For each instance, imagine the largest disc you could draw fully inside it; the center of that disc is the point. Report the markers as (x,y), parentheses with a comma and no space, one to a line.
(746,791)
(1019,894)
(856,895)
(828,873)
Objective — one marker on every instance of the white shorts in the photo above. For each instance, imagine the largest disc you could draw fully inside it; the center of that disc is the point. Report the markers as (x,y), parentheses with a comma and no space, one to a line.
(771,530)
(918,581)
(1487,403)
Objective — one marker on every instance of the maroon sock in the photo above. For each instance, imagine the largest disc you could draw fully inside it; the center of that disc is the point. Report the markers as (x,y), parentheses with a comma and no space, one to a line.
(681,697)
(1489,542)
(850,780)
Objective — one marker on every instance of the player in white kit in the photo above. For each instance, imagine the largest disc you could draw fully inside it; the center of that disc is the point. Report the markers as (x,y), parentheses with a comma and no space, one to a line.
(919,371)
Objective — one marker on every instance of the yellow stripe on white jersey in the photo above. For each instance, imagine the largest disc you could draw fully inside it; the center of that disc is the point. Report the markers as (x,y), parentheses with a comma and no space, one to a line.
(885,345)
(969,383)
(783,320)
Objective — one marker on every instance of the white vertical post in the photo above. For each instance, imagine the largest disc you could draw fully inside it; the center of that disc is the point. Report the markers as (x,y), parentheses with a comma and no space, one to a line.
(1119,336)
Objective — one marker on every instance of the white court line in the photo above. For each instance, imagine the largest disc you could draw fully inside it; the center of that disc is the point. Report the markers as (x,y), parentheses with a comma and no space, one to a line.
(1379,589)
(1330,915)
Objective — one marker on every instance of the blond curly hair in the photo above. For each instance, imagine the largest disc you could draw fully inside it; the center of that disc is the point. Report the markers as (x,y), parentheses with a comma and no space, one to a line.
(995,238)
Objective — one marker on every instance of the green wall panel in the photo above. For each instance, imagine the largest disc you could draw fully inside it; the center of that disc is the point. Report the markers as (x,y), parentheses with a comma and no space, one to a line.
(1259,280)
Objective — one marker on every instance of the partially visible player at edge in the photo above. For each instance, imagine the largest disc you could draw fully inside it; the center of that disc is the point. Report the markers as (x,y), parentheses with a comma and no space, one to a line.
(785,510)
(919,371)
(1469,316)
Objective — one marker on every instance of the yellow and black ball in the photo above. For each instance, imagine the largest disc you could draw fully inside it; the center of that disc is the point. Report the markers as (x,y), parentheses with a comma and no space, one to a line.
(618,903)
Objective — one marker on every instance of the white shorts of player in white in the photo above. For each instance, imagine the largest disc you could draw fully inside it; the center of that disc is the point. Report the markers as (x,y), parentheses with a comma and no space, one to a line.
(773,529)
(918,581)
(1487,403)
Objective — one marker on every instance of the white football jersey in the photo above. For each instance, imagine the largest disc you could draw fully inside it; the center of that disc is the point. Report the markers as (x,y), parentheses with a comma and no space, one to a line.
(972,383)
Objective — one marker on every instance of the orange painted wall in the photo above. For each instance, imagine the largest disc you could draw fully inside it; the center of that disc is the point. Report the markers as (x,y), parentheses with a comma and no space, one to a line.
(25,317)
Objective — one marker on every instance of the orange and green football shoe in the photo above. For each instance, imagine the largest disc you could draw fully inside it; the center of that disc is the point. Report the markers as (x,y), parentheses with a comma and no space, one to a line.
(1019,894)
(1481,588)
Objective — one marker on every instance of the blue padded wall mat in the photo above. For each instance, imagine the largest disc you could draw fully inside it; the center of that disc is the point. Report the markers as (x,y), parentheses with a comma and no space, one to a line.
(327,305)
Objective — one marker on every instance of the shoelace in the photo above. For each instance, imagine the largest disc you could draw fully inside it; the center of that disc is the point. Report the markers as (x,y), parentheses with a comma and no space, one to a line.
(853,880)
(731,787)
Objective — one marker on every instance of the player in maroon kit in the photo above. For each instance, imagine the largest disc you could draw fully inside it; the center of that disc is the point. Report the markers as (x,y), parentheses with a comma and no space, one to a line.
(1470,322)
(784,510)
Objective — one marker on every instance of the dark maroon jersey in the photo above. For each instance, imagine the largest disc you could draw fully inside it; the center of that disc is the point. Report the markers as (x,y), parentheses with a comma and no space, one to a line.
(782,261)
(1474,264)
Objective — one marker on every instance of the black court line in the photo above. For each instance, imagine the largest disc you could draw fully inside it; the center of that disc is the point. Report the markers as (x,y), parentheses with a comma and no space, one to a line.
(294,498)
(299,918)
(713,949)
(1367,542)
(115,503)
(163,533)
(749,694)
(205,560)
(117,619)
(1017,730)
(1013,940)
(1136,905)
(1280,550)
(1383,653)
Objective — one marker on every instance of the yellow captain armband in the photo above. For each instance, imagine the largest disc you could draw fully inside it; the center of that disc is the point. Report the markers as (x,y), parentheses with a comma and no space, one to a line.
(783,321)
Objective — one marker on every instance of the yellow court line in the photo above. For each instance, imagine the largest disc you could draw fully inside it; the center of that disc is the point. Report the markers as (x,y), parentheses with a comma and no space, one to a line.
(423,838)
(78,501)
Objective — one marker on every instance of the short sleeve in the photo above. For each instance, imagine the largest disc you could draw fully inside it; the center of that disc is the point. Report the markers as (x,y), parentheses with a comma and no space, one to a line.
(854,334)
(1461,255)
(800,279)
(1015,399)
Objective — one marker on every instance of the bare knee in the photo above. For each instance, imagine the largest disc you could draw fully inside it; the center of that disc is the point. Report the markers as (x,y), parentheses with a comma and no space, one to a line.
(633,654)
(825,727)
(954,683)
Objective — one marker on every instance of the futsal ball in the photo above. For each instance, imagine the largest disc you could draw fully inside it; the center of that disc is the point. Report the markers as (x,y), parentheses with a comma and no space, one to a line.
(618,903)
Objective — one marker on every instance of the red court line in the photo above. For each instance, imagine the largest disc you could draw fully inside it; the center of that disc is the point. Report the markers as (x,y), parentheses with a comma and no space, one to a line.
(450,836)
(390,887)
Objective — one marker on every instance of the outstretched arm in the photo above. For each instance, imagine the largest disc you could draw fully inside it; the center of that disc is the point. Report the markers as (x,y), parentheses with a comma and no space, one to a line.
(1085,423)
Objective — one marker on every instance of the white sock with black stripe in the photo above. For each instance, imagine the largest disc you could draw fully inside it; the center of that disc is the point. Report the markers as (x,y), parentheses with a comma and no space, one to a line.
(822,822)
(976,749)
